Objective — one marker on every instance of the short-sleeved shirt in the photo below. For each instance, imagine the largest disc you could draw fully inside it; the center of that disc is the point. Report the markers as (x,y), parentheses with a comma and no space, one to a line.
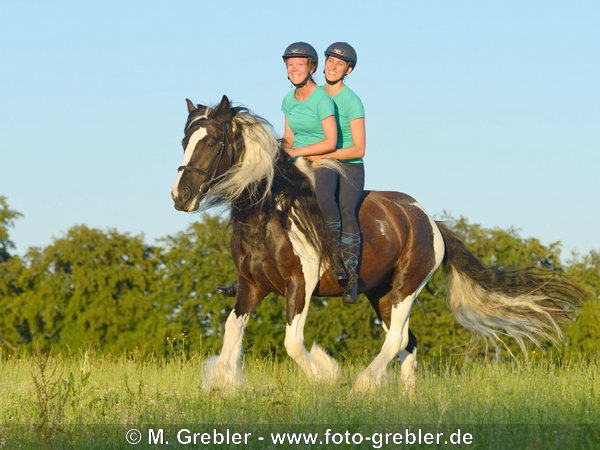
(305,117)
(348,107)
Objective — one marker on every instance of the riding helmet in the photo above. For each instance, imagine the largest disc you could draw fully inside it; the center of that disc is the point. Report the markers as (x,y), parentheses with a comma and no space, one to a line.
(344,51)
(301,50)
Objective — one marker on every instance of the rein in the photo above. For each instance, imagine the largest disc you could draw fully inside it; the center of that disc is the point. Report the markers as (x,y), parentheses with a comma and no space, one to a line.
(211,172)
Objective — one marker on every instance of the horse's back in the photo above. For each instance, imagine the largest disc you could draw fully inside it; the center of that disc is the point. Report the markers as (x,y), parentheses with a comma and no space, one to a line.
(393,225)
(389,214)
(399,198)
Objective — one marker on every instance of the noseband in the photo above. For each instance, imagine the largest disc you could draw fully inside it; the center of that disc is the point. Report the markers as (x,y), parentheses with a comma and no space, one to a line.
(211,172)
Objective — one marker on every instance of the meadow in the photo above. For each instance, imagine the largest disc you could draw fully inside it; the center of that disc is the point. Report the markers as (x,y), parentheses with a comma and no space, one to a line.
(91,401)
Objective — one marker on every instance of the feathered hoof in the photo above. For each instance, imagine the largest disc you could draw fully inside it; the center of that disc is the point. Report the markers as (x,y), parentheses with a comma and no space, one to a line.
(366,383)
(324,369)
(219,375)
(409,391)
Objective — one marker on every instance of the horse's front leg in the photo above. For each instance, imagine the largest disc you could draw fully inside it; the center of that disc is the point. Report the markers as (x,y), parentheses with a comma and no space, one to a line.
(317,365)
(225,370)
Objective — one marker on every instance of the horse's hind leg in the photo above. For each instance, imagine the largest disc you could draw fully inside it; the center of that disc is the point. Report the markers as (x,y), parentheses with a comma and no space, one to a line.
(381,301)
(408,365)
(417,263)
(398,302)
(395,339)
(225,370)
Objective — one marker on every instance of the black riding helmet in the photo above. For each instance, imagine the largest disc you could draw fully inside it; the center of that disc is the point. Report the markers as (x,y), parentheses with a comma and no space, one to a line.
(301,50)
(344,51)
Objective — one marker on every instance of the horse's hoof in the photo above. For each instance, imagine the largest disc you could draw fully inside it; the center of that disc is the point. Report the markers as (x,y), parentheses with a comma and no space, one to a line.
(220,376)
(364,384)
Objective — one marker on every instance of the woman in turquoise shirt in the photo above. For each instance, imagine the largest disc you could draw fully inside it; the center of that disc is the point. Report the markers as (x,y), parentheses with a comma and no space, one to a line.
(328,123)
(310,126)
(342,216)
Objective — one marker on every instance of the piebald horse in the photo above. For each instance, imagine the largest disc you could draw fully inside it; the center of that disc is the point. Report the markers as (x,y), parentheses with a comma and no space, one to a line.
(232,158)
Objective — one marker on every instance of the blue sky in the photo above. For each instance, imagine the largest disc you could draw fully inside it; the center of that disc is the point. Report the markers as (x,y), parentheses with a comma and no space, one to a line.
(487,110)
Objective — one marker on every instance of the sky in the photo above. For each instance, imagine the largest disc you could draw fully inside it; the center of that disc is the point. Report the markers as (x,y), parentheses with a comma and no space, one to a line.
(479,109)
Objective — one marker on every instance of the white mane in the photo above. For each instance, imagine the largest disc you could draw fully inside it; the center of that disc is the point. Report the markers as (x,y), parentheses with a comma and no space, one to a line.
(257,163)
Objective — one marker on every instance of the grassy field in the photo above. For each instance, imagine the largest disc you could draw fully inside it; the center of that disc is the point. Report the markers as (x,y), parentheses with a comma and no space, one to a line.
(91,401)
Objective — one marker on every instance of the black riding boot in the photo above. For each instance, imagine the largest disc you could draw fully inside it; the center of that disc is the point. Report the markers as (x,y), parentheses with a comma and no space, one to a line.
(351,291)
(351,250)
(337,263)
(228,291)
(337,267)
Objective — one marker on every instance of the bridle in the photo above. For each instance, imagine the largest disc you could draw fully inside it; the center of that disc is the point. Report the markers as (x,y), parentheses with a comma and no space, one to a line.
(211,172)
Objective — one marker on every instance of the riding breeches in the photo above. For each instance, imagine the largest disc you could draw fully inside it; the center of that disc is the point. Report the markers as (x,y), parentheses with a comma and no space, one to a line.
(339,198)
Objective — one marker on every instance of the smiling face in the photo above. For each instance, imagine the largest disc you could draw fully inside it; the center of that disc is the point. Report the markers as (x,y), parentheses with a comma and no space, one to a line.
(336,69)
(298,69)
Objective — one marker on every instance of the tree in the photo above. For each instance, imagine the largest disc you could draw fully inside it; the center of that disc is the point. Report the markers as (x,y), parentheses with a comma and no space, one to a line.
(193,263)
(7,218)
(583,335)
(89,289)
(112,292)
(11,268)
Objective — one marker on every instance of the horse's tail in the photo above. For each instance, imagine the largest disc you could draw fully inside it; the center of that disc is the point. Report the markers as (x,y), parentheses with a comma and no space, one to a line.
(527,304)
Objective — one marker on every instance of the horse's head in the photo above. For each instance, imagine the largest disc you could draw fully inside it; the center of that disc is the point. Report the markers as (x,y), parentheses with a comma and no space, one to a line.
(208,153)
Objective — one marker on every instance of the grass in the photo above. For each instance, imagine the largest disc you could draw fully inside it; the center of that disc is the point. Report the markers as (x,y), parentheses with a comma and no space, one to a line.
(90,401)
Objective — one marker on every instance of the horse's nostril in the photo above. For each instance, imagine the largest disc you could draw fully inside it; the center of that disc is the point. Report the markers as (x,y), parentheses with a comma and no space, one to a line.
(184,195)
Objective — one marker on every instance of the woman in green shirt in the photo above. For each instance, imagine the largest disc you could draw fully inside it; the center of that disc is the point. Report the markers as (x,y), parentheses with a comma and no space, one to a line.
(310,126)
(342,215)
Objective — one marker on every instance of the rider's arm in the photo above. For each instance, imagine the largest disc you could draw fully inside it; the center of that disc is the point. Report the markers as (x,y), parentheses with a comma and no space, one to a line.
(287,141)
(359,138)
(326,145)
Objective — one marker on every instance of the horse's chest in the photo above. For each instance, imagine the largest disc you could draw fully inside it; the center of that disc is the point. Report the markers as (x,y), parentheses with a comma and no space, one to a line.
(275,256)
(310,260)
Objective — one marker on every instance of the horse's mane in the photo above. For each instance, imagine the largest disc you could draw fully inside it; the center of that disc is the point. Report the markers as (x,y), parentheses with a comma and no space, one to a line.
(263,184)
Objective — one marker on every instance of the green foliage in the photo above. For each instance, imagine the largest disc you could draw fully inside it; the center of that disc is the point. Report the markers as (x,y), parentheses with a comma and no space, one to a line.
(89,289)
(348,330)
(583,335)
(192,264)
(111,292)
(586,271)
(504,248)
(7,218)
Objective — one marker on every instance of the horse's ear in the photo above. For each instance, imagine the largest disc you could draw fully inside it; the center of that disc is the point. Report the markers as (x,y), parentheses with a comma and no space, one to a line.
(191,107)
(224,108)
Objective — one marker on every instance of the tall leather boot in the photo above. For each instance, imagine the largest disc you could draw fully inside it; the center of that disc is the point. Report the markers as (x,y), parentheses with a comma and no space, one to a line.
(337,264)
(350,296)
(351,251)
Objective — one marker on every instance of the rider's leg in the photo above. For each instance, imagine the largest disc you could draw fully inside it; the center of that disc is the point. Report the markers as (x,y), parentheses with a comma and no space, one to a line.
(326,183)
(351,193)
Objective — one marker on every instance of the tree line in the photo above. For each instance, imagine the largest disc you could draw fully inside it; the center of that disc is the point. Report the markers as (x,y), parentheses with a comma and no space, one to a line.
(116,294)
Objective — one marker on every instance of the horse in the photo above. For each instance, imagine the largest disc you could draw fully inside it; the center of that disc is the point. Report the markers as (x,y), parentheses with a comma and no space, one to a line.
(232,158)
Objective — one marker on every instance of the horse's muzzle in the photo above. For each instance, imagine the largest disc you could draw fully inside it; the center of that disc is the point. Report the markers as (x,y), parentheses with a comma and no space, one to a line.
(181,199)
